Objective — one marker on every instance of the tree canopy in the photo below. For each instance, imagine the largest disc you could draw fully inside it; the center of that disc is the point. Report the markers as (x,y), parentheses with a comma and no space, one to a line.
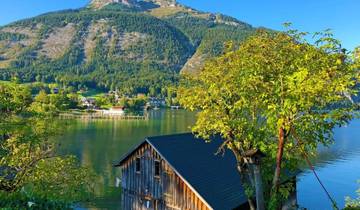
(30,169)
(275,92)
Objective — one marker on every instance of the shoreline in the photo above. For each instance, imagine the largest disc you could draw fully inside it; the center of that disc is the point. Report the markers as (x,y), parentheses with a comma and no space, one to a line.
(69,115)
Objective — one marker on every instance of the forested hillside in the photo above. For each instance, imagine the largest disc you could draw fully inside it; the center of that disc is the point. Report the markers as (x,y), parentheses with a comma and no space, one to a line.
(111,44)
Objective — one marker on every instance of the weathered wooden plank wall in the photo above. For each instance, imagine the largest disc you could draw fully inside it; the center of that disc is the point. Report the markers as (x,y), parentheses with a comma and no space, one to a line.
(144,191)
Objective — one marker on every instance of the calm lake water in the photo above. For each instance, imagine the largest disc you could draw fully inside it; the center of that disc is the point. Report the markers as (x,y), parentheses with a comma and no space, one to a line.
(100,143)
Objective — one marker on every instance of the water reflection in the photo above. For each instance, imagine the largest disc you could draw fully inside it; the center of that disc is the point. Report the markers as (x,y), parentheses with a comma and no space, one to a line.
(98,143)
(339,169)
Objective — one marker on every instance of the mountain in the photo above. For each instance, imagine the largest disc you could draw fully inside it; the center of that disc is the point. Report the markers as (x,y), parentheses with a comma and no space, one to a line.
(127,44)
(133,3)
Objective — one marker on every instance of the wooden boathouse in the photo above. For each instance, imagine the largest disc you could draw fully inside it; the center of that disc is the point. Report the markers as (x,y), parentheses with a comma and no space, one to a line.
(180,172)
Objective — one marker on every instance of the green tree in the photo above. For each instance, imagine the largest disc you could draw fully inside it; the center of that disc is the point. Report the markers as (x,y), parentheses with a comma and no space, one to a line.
(137,103)
(30,169)
(123,101)
(276,93)
(43,103)
(73,100)
(102,101)
(13,99)
(42,97)
(171,96)
(152,91)
(60,101)
(357,53)
(38,78)
(53,103)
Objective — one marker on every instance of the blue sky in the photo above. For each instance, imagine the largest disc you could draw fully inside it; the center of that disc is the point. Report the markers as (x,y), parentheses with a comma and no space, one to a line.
(343,16)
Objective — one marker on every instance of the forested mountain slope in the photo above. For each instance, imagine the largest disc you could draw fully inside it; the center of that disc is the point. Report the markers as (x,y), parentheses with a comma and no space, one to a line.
(124,44)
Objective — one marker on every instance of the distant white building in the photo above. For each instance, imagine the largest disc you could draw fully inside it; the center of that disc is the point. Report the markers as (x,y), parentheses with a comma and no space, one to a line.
(116,110)
(156,102)
(88,102)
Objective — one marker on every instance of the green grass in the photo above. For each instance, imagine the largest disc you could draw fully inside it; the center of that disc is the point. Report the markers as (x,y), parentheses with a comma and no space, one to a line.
(4,82)
(163,12)
(107,106)
(31,83)
(92,93)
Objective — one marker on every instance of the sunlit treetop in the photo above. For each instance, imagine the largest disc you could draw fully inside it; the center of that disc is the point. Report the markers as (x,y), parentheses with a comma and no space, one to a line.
(271,81)
(275,92)
(357,53)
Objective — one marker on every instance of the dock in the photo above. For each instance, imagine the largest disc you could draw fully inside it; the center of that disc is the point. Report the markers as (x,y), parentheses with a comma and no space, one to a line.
(102,116)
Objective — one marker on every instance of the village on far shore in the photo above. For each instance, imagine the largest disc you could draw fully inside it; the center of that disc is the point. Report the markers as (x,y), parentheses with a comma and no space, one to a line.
(112,103)
(86,102)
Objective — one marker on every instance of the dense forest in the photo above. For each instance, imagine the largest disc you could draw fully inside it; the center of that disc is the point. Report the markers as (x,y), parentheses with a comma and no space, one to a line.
(116,47)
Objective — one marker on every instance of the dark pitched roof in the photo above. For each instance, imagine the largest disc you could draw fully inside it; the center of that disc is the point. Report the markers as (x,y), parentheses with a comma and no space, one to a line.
(213,177)
(7,173)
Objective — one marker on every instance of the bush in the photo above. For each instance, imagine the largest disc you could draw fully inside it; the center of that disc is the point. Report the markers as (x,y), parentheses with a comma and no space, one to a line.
(353,204)
(19,200)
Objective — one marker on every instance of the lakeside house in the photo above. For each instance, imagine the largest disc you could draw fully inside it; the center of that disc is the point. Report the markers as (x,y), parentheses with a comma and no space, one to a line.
(182,172)
(90,103)
(55,90)
(156,102)
(175,107)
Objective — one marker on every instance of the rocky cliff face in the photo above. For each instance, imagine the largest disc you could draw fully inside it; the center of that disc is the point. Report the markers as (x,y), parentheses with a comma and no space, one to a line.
(161,3)
(101,3)
(165,3)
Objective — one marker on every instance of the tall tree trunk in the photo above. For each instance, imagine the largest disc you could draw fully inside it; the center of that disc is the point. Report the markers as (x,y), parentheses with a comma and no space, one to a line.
(281,143)
(242,172)
(243,181)
(247,177)
(260,202)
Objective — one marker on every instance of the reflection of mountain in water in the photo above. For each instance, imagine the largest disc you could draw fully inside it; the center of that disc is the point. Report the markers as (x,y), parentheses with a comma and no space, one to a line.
(100,143)
(338,167)
(346,145)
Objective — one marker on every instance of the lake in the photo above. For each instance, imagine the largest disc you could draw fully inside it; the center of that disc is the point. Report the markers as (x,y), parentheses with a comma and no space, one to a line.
(100,143)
